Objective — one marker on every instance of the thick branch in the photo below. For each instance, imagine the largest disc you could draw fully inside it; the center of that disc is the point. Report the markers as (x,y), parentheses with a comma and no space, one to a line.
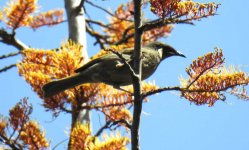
(135,142)
(10,39)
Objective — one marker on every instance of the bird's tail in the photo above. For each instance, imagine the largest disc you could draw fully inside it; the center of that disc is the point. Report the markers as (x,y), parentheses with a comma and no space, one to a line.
(58,86)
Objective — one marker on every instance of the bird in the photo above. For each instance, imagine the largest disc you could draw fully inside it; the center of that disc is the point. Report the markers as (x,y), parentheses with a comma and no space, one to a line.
(110,68)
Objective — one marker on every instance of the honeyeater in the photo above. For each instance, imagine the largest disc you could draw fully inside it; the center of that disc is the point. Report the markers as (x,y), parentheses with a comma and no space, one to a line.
(111,70)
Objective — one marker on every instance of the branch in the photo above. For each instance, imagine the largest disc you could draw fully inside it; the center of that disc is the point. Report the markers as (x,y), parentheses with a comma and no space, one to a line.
(10,143)
(7,68)
(99,7)
(106,11)
(109,124)
(177,88)
(106,106)
(138,101)
(102,128)
(97,36)
(9,55)
(99,23)
(10,39)
(162,22)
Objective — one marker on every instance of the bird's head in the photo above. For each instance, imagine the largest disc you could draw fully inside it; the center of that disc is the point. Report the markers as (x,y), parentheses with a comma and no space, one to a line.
(164,50)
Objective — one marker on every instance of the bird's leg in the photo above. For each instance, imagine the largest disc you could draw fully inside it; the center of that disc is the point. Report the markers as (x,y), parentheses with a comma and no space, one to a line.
(121,89)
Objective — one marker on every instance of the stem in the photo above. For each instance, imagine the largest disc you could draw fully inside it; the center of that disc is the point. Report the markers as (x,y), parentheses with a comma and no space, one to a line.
(135,144)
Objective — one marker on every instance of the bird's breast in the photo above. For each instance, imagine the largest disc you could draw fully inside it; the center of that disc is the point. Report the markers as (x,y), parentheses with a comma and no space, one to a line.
(150,62)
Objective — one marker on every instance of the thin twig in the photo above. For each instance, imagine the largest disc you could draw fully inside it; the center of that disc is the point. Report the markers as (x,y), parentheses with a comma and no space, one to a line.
(103,128)
(99,23)
(177,88)
(58,144)
(108,105)
(99,38)
(10,143)
(7,68)
(202,72)
(10,55)
(109,124)
(99,7)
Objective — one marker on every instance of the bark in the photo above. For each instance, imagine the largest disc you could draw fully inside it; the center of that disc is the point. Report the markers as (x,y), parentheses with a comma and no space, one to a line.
(135,143)
(77,33)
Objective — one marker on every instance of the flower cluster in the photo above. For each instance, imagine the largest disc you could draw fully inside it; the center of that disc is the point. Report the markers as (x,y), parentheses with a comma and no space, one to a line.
(112,142)
(22,132)
(3,125)
(21,13)
(18,12)
(41,66)
(49,18)
(178,8)
(205,63)
(122,28)
(33,136)
(81,138)
(118,113)
(19,114)
(208,78)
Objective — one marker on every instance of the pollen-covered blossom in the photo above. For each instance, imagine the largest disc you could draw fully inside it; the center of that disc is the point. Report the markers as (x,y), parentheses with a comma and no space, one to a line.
(121,26)
(33,136)
(208,78)
(179,8)
(80,137)
(49,18)
(111,142)
(19,11)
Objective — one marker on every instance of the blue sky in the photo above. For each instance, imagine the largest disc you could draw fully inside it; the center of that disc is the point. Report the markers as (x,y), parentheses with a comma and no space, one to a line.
(168,121)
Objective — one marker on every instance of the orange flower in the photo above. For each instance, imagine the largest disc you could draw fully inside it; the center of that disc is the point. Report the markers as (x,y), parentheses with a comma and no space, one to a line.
(112,142)
(41,66)
(19,12)
(33,136)
(3,125)
(19,114)
(177,8)
(49,18)
(80,137)
(122,26)
(208,78)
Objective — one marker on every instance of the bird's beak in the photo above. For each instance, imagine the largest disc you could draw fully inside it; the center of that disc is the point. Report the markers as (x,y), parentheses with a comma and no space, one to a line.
(180,54)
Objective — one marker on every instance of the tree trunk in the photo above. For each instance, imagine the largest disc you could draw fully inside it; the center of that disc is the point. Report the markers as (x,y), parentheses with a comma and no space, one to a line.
(77,33)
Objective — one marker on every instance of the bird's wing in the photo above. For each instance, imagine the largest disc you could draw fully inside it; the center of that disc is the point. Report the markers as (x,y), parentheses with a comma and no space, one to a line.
(126,54)
(89,64)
